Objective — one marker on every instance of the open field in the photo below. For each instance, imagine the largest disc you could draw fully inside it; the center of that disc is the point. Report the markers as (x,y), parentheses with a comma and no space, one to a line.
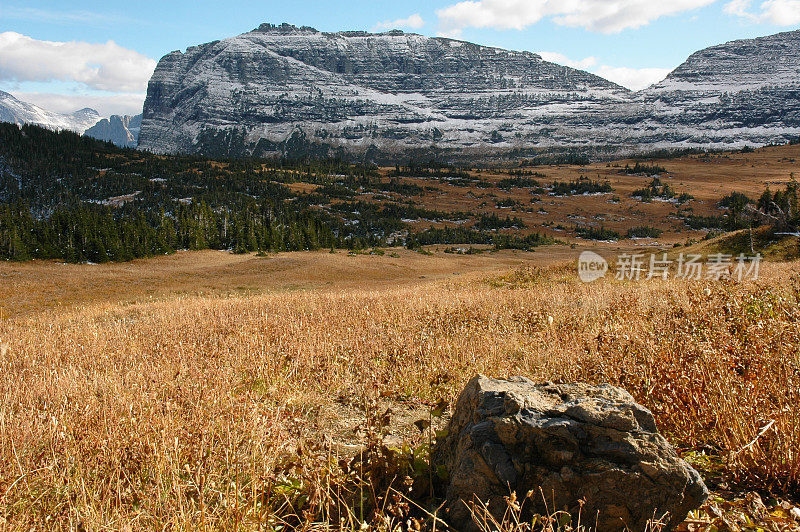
(30,287)
(209,390)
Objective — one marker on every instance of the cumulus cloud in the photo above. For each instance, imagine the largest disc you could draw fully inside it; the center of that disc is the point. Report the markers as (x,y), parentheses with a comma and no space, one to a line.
(561,59)
(604,16)
(632,78)
(106,67)
(777,12)
(413,22)
(105,104)
(739,8)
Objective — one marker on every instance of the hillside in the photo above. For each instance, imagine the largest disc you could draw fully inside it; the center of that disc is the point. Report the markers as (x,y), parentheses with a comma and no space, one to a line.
(737,93)
(63,196)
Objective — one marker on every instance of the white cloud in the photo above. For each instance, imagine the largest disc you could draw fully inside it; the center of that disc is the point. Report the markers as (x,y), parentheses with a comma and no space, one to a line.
(413,22)
(604,16)
(107,67)
(561,59)
(739,8)
(105,104)
(633,78)
(62,17)
(777,12)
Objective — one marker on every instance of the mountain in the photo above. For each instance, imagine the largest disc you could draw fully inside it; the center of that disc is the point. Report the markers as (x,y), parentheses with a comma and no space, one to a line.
(744,92)
(120,130)
(282,89)
(297,91)
(18,112)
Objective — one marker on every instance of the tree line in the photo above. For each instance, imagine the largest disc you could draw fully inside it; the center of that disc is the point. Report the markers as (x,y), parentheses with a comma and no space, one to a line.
(55,190)
(99,234)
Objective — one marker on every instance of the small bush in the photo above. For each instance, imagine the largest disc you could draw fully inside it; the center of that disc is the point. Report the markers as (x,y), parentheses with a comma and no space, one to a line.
(644,232)
(579,187)
(594,233)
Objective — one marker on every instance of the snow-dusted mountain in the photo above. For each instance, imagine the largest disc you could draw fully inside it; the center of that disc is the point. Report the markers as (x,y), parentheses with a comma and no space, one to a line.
(121,130)
(740,93)
(19,112)
(298,91)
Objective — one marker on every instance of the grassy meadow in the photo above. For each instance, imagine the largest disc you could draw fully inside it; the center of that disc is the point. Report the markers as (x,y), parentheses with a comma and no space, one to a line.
(207,391)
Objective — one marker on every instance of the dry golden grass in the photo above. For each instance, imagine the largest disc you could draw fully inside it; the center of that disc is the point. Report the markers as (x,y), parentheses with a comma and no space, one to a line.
(30,287)
(233,412)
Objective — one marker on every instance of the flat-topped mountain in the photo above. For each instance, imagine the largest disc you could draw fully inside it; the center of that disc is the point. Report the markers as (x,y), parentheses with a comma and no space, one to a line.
(279,89)
(283,90)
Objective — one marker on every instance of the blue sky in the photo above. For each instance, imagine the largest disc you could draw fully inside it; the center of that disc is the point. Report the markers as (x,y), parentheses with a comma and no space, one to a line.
(64,56)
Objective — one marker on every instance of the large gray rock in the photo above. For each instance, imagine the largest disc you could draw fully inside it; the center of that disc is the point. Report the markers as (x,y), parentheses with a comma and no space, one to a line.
(576,442)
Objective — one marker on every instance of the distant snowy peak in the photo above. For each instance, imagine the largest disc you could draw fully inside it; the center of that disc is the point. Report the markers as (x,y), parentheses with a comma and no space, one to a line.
(20,113)
(121,130)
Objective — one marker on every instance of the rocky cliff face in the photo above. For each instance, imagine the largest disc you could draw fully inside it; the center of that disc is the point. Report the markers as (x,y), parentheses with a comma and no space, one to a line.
(18,112)
(120,130)
(296,91)
(286,89)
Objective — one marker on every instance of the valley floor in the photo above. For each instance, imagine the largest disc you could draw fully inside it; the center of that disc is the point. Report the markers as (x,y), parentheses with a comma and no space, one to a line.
(31,287)
(211,390)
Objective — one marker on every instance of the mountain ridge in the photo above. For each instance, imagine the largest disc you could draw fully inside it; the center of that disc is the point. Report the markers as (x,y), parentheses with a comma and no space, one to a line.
(18,112)
(283,90)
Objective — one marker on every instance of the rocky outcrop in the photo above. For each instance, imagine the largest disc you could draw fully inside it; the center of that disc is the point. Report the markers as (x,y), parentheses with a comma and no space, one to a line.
(283,90)
(120,130)
(587,449)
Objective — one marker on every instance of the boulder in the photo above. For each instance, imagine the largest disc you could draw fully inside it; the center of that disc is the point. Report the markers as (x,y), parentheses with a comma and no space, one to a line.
(583,449)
